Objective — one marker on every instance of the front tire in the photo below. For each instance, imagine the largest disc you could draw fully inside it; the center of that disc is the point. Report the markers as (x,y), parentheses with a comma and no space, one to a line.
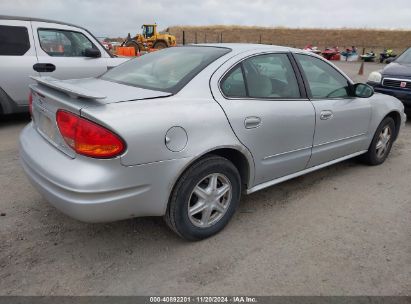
(204,198)
(381,144)
(133,44)
(160,45)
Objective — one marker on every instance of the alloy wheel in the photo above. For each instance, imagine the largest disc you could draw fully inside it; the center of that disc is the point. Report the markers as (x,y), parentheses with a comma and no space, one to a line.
(209,200)
(383,141)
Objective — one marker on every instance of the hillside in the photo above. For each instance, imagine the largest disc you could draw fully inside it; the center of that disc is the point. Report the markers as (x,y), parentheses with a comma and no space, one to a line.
(371,39)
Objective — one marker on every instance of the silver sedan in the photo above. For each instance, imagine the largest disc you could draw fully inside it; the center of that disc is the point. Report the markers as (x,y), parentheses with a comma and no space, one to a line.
(183,132)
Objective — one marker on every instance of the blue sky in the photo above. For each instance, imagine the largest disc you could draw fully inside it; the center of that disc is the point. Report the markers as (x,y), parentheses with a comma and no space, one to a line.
(117,18)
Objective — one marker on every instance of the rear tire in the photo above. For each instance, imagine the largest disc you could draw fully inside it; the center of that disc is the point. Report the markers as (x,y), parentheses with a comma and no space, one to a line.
(381,144)
(204,198)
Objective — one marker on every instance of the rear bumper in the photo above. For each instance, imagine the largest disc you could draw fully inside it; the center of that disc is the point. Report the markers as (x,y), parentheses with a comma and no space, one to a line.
(93,190)
(401,94)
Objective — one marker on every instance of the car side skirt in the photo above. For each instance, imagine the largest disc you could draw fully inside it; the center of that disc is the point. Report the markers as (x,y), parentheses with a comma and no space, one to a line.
(305,171)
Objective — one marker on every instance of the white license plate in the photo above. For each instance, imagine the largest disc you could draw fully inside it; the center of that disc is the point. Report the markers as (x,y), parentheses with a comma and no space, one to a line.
(46,126)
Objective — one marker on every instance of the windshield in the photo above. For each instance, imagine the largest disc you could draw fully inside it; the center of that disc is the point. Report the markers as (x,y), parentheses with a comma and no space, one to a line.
(167,70)
(404,57)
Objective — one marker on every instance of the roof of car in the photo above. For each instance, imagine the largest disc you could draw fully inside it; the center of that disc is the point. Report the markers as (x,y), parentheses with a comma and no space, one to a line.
(4,17)
(243,47)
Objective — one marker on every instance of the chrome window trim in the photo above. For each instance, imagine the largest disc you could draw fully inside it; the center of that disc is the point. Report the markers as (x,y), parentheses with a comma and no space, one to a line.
(334,98)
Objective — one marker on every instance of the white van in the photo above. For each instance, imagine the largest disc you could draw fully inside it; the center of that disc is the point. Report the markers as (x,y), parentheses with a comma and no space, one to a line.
(38,47)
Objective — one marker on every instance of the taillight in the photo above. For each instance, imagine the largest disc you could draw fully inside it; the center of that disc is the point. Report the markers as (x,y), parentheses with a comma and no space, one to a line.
(88,138)
(31,103)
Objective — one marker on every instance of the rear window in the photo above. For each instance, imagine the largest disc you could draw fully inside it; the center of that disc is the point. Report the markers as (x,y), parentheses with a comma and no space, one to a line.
(14,40)
(167,70)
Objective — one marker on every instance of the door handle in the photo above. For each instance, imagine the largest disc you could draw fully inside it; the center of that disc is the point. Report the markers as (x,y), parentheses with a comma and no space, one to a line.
(252,122)
(44,67)
(325,115)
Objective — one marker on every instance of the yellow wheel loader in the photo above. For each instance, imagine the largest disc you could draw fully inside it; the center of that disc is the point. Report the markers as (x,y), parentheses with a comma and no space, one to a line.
(149,39)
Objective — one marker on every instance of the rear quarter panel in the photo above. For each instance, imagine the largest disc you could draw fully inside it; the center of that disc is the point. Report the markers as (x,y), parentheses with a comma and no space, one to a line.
(144,125)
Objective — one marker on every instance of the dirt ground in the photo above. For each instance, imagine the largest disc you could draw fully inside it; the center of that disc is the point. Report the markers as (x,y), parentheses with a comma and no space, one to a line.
(343,230)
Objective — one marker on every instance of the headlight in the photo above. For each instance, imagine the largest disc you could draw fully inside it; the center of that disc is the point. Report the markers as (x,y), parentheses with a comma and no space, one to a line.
(375,77)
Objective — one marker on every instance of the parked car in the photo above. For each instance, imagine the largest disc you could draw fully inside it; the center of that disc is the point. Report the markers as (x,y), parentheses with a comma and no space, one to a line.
(395,79)
(182,132)
(38,47)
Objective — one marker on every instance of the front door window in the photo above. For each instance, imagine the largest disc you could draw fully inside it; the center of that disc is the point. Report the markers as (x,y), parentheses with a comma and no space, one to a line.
(323,80)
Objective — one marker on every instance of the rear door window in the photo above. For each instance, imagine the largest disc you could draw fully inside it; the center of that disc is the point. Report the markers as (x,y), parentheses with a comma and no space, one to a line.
(14,40)
(266,76)
(271,76)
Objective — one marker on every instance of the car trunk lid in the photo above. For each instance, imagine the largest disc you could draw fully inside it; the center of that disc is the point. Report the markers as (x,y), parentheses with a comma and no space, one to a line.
(50,95)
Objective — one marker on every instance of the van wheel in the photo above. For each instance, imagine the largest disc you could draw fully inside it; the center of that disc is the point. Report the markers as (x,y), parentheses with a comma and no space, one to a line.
(204,198)
(381,144)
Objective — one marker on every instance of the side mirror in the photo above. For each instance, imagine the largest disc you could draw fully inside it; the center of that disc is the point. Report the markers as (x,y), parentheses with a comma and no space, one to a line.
(363,90)
(92,53)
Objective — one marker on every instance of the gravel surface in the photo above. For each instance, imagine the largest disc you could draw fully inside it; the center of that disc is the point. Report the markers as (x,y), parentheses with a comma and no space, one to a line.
(343,230)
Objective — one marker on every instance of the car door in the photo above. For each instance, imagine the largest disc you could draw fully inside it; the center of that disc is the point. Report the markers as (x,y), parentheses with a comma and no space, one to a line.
(263,100)
(342,121)
(61,52)
(17,57)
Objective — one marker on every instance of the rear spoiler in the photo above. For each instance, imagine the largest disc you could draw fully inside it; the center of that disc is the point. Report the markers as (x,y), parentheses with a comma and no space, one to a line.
(74,91)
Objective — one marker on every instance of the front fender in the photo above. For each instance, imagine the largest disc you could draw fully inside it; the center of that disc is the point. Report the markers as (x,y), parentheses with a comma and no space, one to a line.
(382,105)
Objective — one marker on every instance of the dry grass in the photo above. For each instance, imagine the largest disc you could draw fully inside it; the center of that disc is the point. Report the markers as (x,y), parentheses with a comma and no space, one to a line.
(371,39)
